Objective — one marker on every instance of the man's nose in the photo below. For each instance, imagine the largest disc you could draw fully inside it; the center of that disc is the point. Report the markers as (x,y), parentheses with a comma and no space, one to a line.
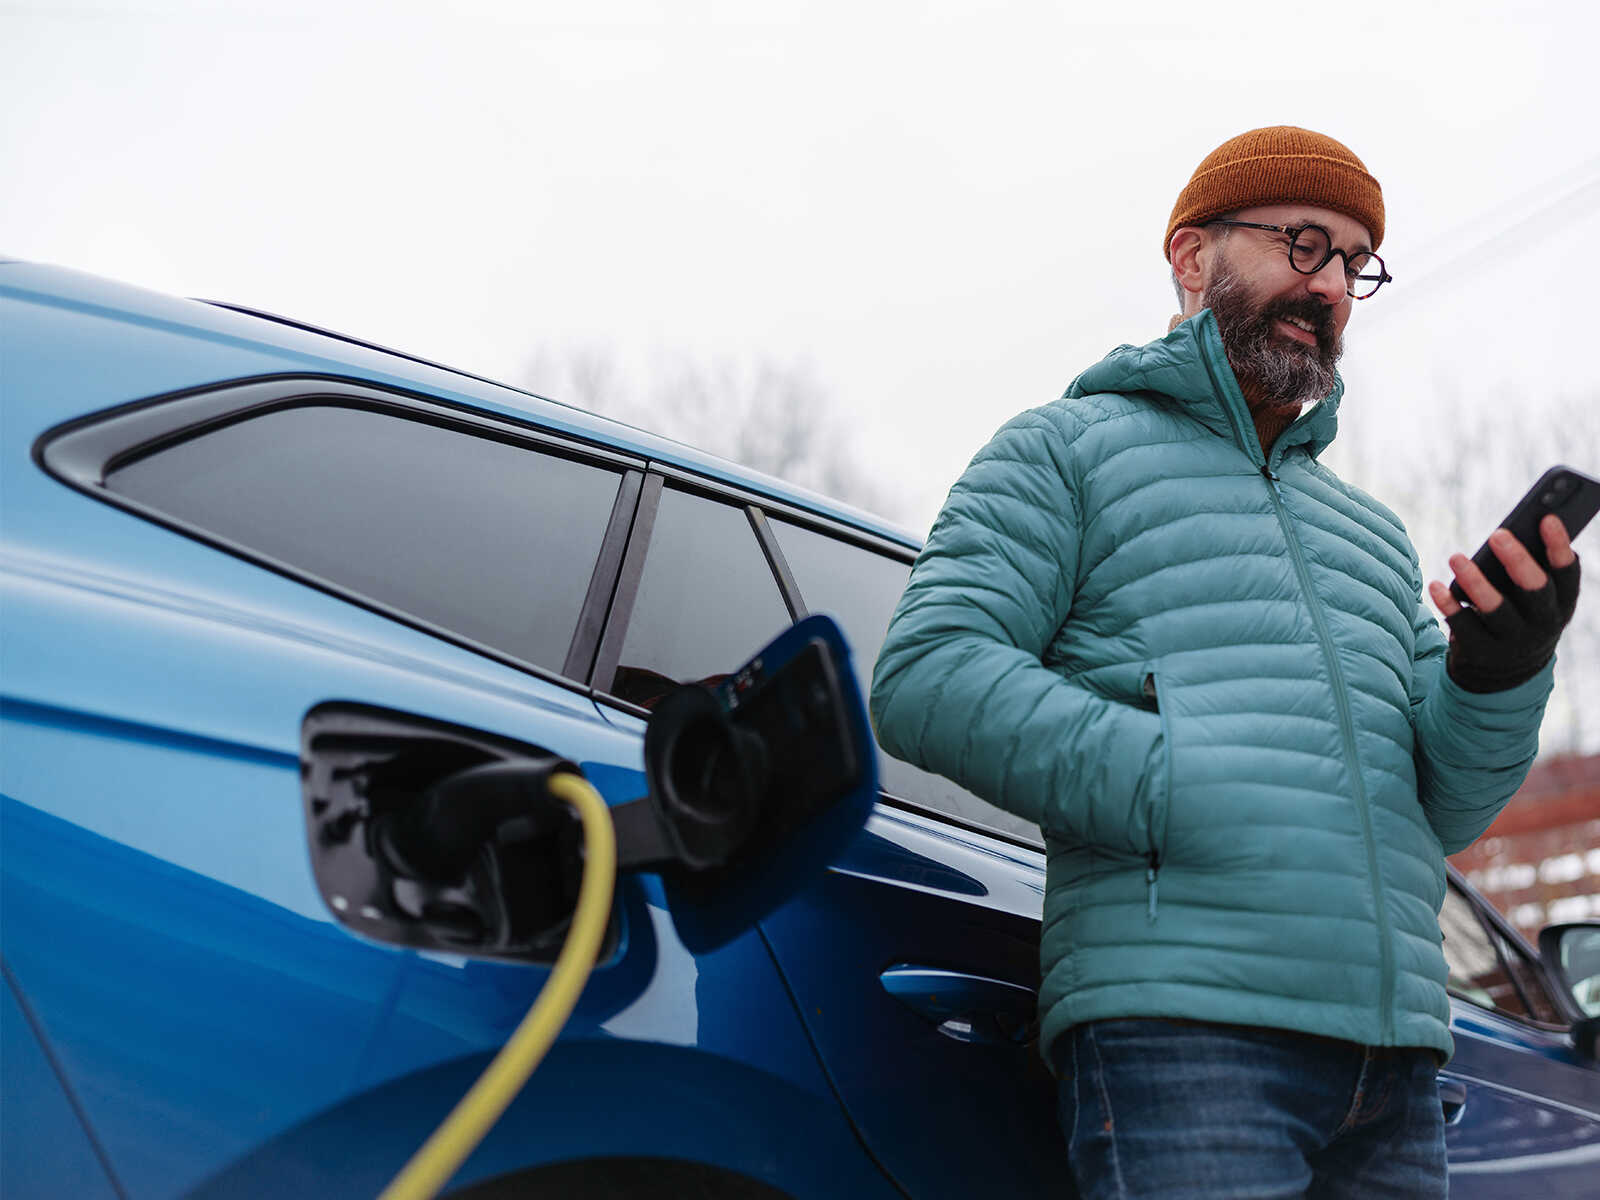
(1328,284)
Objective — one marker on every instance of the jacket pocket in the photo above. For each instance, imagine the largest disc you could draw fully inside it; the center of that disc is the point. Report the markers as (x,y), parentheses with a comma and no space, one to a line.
(1159,792)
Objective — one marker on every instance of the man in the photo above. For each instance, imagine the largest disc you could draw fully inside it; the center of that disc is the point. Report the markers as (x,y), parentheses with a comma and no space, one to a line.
(1151,620)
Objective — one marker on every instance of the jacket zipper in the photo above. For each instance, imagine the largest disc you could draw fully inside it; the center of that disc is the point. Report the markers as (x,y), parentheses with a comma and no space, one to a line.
(1245,437)
(1150,874)
(1347,730)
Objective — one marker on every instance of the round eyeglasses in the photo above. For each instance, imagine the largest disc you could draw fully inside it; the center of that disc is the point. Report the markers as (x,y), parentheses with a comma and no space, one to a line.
(1310,248)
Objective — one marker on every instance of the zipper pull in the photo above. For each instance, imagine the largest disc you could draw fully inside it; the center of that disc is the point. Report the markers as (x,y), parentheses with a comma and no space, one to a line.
(1267,471)
(1150,880)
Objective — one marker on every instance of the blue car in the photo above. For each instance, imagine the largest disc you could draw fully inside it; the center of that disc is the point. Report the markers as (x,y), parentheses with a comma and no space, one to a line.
(252,571)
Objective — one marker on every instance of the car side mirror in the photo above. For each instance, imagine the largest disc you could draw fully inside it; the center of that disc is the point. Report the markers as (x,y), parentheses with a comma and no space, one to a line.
(1571,953)
(755,783)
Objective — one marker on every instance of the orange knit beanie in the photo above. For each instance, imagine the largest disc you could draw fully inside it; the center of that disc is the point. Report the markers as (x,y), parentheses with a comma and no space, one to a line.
(1280,164)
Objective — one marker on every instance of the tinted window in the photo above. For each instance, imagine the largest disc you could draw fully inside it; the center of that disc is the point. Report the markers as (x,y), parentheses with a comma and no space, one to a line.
(859,588)
(491,541)
(1487,968)
(707,599)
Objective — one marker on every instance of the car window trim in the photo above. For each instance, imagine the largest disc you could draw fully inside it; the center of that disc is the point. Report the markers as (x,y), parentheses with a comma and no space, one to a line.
(757,508)
(1487,916)
(81,454)
(776,563)
(966,823)
(608,655)
(585,645)
(1499,945)
(821,522)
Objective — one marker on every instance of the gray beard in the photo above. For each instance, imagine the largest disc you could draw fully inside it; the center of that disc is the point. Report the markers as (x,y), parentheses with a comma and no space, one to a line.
(1271,370)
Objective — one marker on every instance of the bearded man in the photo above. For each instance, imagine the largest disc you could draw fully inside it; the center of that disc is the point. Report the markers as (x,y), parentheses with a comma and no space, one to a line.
(1151,620)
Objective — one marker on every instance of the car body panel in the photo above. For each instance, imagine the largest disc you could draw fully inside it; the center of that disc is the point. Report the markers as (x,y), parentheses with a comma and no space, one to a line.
(1530,1111)
(46,1149)
(913,893)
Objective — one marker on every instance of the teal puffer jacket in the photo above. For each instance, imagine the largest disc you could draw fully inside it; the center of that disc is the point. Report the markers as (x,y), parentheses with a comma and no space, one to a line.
(1210,678)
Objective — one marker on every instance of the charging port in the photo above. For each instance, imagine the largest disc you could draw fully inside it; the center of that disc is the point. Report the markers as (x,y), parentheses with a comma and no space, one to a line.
(439,837)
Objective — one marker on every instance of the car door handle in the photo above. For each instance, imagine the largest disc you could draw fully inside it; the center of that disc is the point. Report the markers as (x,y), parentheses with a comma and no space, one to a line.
(1453,1099)
(964,1007)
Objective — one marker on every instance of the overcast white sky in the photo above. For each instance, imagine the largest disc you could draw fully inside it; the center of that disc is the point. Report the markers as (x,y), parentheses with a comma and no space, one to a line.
(945,210)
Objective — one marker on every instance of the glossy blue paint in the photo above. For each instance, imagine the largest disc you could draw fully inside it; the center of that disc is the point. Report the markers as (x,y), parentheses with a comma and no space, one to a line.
(1509,1142)
(1471,1025)
(223,1044)
(46,1151)
(193,1019)
(1531,1111)
(916,892)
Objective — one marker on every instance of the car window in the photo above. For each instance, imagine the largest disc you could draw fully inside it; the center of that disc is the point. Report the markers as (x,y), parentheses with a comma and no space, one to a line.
(491,541)
(1489,969)
(859,588)
(707,600)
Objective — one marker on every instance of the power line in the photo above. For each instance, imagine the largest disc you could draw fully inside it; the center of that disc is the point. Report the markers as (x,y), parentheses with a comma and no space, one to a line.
(1550,217)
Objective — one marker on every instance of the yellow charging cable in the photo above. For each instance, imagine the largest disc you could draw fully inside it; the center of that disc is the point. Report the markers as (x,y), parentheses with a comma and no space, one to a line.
(438,1158)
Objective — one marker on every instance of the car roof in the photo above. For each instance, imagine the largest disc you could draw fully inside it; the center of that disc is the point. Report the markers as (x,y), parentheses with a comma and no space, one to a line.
(312,350)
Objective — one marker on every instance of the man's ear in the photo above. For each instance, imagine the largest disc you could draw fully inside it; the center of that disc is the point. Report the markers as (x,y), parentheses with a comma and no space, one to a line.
(1190,255)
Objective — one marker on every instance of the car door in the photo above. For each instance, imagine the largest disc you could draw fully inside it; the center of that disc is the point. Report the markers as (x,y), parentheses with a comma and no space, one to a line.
(913,960)
(1522,1103)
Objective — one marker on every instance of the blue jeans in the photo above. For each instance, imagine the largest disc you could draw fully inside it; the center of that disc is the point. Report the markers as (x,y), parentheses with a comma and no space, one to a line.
(1177,1108)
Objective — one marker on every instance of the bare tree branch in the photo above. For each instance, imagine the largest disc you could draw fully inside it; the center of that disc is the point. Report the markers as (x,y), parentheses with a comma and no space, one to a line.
(1453,486)
(770,415)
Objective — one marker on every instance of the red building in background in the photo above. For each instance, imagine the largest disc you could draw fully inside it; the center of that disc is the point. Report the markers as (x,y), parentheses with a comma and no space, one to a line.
(1539,863)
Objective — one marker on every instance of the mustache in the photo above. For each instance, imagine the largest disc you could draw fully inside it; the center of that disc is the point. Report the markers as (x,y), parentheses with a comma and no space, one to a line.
(1313,312)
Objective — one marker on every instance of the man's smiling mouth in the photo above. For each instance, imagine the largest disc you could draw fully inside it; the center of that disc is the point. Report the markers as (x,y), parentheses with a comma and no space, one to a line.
(1300,329)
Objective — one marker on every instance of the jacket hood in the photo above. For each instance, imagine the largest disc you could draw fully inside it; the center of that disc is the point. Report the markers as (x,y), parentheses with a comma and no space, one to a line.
(1189,369)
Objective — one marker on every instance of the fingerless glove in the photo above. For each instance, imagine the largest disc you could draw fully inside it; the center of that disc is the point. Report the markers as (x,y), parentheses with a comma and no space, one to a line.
(1493,651)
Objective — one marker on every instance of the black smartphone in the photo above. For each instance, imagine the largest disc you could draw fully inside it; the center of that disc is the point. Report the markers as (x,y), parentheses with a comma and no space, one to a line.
(1571,495)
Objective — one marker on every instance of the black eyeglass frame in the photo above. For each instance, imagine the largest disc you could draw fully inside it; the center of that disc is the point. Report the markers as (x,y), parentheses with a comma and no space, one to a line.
(1294,232)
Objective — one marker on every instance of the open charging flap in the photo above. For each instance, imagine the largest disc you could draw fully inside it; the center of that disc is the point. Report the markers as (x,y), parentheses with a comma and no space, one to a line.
(756,783)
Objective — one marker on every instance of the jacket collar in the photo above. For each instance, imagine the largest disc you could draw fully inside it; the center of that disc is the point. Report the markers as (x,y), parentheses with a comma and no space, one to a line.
(1188,369)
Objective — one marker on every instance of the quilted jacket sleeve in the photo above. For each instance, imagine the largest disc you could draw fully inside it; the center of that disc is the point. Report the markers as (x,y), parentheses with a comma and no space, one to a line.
(1473,751)
(960,688)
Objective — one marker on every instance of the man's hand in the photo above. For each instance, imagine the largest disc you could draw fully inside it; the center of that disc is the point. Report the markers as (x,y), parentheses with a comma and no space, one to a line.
(1502,641)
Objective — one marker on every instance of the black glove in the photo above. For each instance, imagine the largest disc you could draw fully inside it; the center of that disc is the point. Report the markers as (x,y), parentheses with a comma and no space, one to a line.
(1493,651)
